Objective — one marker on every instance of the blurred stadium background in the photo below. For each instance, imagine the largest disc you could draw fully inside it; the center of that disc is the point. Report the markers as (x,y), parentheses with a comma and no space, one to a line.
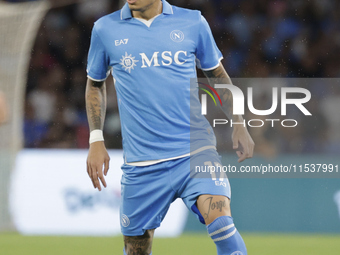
(44,77)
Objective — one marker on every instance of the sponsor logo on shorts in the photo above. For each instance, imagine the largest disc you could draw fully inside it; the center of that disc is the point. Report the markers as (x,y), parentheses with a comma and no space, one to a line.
(125,221)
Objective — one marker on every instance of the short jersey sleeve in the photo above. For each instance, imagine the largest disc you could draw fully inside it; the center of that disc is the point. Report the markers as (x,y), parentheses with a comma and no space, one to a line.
(98,61)
(208,56)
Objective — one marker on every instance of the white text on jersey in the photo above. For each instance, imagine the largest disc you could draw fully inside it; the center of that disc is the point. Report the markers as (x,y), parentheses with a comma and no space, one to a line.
(120,42)
(166,59)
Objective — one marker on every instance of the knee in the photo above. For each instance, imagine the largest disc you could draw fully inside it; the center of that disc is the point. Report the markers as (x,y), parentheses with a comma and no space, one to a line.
(139,245)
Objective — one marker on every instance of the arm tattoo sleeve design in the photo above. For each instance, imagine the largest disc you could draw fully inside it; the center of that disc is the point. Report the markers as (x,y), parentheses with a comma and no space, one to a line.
(95,104)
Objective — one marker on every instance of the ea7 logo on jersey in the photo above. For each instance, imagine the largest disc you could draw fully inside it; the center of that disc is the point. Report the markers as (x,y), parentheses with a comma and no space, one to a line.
(120,42)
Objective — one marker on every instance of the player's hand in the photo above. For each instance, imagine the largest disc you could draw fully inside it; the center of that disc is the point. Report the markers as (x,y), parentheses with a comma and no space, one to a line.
(243,143)
(96,159)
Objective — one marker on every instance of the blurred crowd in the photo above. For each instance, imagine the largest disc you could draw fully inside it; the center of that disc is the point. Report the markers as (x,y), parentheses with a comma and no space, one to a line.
(258,38)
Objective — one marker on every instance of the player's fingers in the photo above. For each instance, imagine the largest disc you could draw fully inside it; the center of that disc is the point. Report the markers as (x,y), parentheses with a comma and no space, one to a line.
(101,177)
(94,176)
(246,151)
(96,182)
(250,150)
(88,168)
(242,156)
(235,143)
(106,166)
(89,171)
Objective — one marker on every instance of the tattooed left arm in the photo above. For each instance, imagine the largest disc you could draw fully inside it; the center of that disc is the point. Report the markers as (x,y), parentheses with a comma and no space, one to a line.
(242,141)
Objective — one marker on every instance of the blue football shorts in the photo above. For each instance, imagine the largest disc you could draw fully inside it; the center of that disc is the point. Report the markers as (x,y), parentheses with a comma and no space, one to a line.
(148,191)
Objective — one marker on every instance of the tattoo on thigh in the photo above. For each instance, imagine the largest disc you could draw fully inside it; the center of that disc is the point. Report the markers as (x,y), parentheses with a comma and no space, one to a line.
(213,206)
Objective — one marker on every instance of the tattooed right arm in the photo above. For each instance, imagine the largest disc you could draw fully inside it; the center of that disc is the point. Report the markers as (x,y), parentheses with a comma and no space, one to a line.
(95,108)
(95,104)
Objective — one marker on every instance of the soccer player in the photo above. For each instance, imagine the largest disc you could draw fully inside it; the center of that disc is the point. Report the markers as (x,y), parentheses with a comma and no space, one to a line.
(152,49)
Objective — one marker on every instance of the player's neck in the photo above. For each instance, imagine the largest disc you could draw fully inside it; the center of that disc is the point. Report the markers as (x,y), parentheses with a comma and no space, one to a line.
(149,11)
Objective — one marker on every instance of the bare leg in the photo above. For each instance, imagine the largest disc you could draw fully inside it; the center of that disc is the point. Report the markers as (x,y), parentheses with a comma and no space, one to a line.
(139,245)
(220,225)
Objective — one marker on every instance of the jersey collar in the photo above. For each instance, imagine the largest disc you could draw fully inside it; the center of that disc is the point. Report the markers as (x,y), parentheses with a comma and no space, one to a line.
(125,12)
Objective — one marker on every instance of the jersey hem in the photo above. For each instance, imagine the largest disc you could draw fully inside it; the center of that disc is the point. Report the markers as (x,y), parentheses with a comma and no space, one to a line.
(98,80)
(132,159)
(214,67)
(154,162)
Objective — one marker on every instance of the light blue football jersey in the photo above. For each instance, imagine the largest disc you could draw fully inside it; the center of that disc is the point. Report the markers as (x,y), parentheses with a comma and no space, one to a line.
(159,107)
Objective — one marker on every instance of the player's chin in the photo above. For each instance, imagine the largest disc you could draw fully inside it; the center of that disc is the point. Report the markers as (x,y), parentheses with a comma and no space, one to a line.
(132,3)
(133,7)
